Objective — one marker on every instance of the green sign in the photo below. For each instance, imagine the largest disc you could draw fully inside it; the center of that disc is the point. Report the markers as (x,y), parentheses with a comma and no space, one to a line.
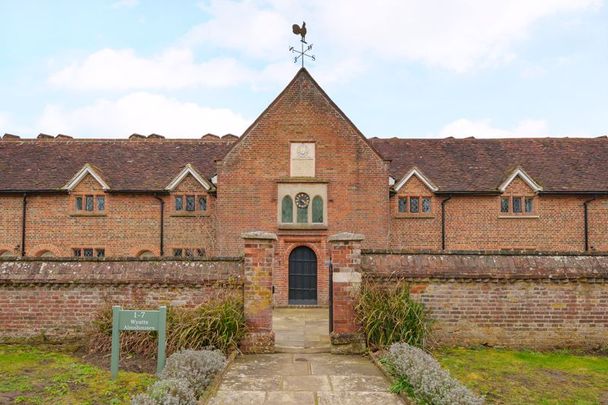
(134,320)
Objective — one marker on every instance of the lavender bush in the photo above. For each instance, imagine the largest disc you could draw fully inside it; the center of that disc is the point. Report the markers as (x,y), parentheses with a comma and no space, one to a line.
(196,367)
(427,379)
(166,392)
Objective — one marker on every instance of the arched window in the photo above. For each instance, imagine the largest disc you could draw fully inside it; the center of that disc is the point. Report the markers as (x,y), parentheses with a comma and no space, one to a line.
(45,253)
(287,210)
(145,254)
(6,253)
(317,210)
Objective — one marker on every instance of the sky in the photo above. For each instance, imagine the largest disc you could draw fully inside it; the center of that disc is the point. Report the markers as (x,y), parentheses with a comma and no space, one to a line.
(397,68)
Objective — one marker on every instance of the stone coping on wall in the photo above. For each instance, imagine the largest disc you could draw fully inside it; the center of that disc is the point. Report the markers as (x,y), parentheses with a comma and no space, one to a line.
(485,267)
(172,272)
(478,252)
(122,259)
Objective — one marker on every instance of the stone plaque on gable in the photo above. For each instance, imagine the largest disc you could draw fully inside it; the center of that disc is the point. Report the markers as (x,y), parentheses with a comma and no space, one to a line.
(302,159)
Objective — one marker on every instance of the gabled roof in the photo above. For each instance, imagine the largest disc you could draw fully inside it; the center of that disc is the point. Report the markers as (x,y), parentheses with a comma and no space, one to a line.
(559,165)
(416,172)
(89,170)
(519,172)
(125,165)
(189,170)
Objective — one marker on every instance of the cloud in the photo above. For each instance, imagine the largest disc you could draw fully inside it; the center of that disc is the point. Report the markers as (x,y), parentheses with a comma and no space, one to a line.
(458,35)
(140,112)
(529,128)
(122,69)
(125,3)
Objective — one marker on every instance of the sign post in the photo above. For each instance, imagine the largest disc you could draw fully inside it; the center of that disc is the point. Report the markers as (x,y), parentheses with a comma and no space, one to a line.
(135,320)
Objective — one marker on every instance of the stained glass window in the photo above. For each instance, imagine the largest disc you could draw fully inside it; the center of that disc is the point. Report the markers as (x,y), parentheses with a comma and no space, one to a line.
(504,204)
(317,210)
(190,203)
(426,204)
(402,204)
(89,203)
(517,204)
(202,203)
(179,203)
(78,203)
(302,215)
(101,202)
(287,210)
(529,206)
(414,204)
(87,252)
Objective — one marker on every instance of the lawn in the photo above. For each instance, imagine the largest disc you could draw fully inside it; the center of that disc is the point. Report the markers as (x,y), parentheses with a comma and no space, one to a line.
(526,377)
(30,375)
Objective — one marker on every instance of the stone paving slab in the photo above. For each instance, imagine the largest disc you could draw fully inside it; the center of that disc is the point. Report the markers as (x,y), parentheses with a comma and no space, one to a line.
(303,379)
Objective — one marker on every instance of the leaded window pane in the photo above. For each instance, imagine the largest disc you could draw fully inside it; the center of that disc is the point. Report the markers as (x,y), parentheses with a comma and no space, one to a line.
(202,203)
(200,252)
(77,252)
(88,252)
(529,204)
(402,204)
(302,215)
(101,252)
(190,203)
(517,204)
(317,210)
(179,203)
(286,210)
(426,204)
(89,203)
(78,203)
(188,253)
(101,202)
(414,204)
(177,252)
(504,204)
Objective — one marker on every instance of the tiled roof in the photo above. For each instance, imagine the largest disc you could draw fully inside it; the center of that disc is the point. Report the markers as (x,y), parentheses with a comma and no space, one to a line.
(465,165)
(481,165)
(134,165)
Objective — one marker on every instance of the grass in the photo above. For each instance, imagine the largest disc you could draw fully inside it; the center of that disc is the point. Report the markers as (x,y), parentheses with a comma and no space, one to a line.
(30,375)
(526,377)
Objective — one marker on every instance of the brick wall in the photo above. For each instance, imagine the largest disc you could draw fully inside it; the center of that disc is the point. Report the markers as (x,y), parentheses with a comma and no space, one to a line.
(58,298)
(541,301)
(476,223)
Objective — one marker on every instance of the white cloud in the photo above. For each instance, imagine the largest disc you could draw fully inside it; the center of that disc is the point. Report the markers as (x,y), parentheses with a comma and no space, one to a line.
(111,69)
(125,3)
(529,128)
(140,112)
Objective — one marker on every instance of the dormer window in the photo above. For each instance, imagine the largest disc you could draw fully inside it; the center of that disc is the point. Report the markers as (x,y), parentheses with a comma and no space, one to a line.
(414,205)
(89,203)
(191,203)
(518,205)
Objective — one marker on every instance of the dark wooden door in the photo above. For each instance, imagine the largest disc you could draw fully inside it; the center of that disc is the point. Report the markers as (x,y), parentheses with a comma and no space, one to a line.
(302,276)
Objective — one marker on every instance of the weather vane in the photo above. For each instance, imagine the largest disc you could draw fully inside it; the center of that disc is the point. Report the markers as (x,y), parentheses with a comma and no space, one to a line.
(301,54)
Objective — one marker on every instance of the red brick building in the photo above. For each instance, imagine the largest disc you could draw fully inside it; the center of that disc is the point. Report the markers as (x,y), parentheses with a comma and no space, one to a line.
(303,171)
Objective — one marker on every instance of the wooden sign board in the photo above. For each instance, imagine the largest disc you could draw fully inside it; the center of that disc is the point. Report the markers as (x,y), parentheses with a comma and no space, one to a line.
(138,320)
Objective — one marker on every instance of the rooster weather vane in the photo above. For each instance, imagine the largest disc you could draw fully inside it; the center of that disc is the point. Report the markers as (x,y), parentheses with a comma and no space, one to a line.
(301,54)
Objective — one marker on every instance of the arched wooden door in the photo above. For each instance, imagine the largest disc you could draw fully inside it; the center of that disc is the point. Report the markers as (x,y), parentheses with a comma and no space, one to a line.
(302,276)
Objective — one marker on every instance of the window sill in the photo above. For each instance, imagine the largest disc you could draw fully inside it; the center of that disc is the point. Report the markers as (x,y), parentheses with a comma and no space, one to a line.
(414,216)
(518,217)
(303,226)
(189,214)
(88,214)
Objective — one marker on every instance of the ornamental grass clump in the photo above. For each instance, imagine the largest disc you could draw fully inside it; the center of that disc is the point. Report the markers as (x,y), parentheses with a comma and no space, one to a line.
(422,377)
(388,314)
(197,367)
(166,392)
(219,323)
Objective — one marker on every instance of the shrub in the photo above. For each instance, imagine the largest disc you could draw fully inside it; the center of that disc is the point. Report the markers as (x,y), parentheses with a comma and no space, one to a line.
(166,392)
(424,378)
(219,323)
(388,315)
(197,367)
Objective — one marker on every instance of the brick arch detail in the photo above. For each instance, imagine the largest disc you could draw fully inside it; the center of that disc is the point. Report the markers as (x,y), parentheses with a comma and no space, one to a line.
(6,248)
(38,250)
(135,252)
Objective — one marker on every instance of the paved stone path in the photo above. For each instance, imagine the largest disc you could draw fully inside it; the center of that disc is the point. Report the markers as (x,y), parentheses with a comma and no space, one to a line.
(286,378)
(301,330)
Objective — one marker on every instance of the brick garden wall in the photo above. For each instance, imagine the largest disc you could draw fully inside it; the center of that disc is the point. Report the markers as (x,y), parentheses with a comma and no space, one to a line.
(58,298)
(540,301)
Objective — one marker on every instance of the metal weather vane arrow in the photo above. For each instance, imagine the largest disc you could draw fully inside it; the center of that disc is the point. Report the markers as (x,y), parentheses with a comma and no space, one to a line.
(302,53)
